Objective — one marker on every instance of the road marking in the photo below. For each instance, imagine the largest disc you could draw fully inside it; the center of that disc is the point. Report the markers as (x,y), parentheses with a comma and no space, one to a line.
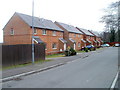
(114,82)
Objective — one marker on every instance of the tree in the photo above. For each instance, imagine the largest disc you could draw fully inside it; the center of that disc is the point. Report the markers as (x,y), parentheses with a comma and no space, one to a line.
(112,21)
(112,35)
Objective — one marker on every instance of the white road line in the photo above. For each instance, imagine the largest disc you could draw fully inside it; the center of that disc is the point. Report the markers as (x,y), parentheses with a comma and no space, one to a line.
(114,82)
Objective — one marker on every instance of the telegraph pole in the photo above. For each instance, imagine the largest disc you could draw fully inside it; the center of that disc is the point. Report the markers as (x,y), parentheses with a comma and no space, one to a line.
(33,32)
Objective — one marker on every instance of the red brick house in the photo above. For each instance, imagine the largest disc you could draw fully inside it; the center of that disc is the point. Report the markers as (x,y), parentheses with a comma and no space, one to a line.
(18,30)
(87,37)
(97,37)
(72,35)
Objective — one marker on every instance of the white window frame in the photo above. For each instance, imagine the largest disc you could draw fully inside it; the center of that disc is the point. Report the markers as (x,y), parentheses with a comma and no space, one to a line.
(54,33)
(61,34)
(74,35)
(79,44)
(78,35)
(35,31)
(12,32)
(54,47)
(44,32)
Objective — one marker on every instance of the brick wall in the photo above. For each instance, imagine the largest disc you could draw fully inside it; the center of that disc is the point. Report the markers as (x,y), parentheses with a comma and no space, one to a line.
(21,32)
(77,38)
(23,35)
(49,39)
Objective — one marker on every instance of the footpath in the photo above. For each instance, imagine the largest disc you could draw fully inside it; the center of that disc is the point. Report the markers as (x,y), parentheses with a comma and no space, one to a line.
(10,74)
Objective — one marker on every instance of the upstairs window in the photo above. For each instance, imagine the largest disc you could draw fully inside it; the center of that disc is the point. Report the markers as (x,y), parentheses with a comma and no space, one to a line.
(44,32)
(12,32)
(61,34)
(74,35)
(78,35)
(54,33)
(35,31)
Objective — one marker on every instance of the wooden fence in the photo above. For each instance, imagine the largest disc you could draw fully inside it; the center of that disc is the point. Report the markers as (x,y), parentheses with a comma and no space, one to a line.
(21,54)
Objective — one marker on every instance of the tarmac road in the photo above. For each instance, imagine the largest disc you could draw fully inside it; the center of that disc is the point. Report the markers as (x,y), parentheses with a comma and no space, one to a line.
(96,71)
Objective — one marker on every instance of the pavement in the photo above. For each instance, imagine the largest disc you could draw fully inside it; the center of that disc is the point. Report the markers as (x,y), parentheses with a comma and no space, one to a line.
(98,70)
(33,68)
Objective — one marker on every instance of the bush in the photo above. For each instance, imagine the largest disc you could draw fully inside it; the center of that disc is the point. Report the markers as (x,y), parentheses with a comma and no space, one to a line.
(67,53)
(70,52)
(86,49)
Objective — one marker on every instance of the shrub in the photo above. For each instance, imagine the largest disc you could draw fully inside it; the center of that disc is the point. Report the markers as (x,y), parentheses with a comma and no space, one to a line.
(86,49)
(70,52)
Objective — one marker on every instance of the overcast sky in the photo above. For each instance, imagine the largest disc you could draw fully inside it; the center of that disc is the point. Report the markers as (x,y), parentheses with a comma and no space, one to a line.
(82,13)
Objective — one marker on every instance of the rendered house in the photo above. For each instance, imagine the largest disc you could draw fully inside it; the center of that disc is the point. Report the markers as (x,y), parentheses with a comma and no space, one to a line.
(18,30)
(97,37)
(88,37)
(72,35)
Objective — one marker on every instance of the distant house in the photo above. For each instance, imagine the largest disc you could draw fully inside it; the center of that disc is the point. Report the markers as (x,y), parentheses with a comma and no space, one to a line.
(97,37)
(18,30)
(87,36)
(72,35)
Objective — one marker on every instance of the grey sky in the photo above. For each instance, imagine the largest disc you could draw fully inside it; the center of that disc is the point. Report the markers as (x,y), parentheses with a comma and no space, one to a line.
(82,13)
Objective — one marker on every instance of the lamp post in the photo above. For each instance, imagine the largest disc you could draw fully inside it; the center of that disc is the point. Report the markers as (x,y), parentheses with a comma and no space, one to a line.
(33,32)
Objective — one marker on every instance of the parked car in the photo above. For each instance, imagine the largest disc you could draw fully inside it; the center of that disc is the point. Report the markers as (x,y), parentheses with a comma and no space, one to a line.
(90,47)
(105,45)
(117,45)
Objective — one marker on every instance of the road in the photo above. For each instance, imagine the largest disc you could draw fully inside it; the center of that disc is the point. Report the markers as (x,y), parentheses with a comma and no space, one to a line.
(96,71)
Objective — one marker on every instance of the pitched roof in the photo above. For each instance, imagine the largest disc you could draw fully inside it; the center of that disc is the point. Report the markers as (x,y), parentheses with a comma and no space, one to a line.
(69,28)
(85,31)
(39,22)
(62,40)
(94,33)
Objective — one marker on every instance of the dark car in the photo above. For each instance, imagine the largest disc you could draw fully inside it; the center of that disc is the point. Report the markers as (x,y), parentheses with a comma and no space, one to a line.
(90,47)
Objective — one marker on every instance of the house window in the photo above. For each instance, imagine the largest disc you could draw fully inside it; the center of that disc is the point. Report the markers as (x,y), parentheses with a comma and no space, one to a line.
(74,35)
(78,35)
(79,44)
(54,46)
(54,33)
(44,32)
(88,37)
(61,34)
(12,32)
(35,31)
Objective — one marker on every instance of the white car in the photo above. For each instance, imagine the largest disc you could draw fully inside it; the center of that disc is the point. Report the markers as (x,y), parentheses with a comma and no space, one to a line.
(105,45)
(117,45)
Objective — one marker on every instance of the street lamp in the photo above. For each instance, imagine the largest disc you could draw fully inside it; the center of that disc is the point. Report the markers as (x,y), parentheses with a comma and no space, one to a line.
(33,32)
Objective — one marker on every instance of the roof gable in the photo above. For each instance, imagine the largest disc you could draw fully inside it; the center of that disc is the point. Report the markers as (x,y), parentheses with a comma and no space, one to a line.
(39,22)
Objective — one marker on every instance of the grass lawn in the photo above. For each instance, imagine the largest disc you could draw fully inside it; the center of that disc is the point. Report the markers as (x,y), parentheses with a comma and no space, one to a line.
(80,51)
(55,55)
(23,65)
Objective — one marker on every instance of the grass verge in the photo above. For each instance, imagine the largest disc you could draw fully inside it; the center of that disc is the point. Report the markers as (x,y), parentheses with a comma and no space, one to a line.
(23,65)
(80,51)
(55,55)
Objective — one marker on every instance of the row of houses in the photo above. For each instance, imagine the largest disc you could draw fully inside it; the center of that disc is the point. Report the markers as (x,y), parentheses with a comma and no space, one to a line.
(56,35)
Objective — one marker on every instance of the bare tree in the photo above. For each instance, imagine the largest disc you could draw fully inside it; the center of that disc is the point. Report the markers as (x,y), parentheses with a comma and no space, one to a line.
(111,20)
